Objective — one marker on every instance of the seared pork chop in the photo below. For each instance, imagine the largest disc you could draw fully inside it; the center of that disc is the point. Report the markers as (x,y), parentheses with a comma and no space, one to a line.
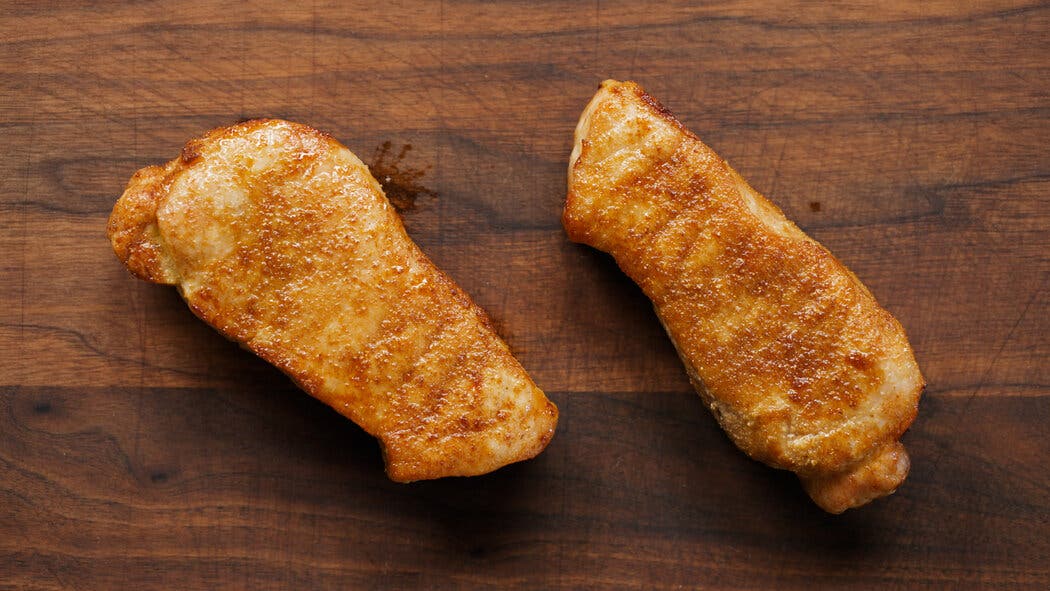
(277,235)
(795,358)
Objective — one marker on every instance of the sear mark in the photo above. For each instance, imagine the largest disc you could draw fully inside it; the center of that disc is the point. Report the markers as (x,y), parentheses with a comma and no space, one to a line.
(400,182)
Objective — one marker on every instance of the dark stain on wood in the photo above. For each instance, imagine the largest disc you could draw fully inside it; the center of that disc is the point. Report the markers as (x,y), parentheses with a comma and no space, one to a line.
(401,181)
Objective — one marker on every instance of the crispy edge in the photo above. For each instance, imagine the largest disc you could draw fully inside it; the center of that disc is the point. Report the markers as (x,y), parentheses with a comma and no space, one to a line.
(132,227)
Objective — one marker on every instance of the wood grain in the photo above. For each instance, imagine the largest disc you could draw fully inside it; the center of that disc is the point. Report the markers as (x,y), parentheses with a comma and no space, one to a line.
(140,450)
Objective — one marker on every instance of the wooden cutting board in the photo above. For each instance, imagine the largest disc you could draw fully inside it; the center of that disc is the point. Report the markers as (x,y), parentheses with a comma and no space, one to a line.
(139,450)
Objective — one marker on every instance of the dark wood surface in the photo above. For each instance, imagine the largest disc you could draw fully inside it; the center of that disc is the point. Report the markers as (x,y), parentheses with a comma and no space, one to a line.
(139,450)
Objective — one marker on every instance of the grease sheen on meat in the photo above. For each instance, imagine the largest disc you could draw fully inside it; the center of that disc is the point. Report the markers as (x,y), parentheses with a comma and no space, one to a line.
(279,237)
(795,358)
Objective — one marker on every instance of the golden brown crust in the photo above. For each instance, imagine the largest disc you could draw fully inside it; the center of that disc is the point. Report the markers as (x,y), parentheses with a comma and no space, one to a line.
(278,236)
(799,364)
(133,230)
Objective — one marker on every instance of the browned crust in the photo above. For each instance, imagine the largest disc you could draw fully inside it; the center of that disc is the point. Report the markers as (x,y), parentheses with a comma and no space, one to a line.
(785,345)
